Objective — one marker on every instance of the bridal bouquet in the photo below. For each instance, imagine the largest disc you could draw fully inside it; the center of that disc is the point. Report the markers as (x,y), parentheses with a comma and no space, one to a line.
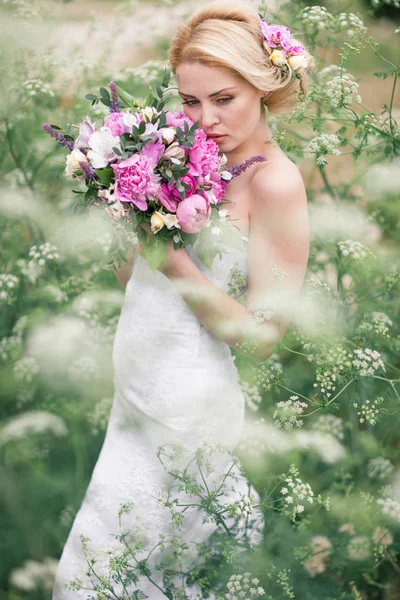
(145,164)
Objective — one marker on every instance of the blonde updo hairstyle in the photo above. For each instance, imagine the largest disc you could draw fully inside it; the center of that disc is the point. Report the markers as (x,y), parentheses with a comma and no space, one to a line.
(228,35)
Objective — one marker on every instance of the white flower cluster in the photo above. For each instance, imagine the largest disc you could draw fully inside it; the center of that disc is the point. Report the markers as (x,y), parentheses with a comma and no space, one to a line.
(368,361)
(32,422)
(43,253)
(8,284)
(278,274)
(244,587)
(390,507)
(382,323)
(84,368)
(358,547)
(379,468)
(339,358)
(259,315)
(329,72)
(266,377)
(152,69)
(331,425)
(324,144)
(288,412)
(320,552)
(369,411)
(26,369)
(251,395)
(25,10)
(98,418)
(34,574)
(37,87)
(325,379)
(55,293)
(377,3)
(351,23)
(13,343)
(243,507)
(355,250)
(316,17)
(296,492)
(341,91)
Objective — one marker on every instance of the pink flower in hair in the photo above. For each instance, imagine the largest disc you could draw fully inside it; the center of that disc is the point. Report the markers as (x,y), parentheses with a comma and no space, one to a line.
(294,50)
(275,35)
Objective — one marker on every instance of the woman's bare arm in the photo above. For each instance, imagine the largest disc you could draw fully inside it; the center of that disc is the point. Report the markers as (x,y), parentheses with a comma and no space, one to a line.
(124,271)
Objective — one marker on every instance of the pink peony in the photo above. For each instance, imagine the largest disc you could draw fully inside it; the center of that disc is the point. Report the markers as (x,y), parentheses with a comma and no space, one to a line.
(135,180)
(153,151)
(169,195)
(193,213)
(121,122)
(177,119)
(203,156)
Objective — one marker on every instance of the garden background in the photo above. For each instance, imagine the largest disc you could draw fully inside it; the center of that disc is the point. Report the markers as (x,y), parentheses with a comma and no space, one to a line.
(326,401)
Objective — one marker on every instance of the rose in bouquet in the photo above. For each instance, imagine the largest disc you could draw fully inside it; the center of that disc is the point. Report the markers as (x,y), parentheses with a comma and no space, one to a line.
(145,164)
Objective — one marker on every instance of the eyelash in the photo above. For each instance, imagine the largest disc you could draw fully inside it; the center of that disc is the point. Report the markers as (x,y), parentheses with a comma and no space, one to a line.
(223,101)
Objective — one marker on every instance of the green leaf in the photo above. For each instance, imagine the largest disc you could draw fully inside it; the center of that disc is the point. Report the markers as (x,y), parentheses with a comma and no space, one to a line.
(91,97)
(56,127)
(117,151)
(206,250)
(155,251)
(105,93)
(105,175)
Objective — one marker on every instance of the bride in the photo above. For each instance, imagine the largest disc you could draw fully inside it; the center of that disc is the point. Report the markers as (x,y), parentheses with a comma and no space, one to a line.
(175,378)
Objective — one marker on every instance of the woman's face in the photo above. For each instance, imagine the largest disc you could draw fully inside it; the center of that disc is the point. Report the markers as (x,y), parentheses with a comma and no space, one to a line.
(225,104)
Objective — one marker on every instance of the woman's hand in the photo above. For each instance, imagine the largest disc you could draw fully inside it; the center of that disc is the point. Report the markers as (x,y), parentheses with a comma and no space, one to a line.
(174,261)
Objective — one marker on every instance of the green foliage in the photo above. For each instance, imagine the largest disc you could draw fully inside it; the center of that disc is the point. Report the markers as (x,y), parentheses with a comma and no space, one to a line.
(323,409)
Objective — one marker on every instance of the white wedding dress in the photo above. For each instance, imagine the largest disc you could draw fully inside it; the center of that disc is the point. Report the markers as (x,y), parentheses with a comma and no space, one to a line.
(174,384)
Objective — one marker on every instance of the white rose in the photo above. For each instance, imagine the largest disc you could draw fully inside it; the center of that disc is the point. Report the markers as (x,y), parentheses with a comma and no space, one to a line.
(168,134)
(278,58)
(148,112)
(174,153)
(156,222)
(171,221)
(296,62)
(73,161)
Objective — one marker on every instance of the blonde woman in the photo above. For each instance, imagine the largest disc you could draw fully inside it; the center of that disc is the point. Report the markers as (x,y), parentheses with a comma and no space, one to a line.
(175,378)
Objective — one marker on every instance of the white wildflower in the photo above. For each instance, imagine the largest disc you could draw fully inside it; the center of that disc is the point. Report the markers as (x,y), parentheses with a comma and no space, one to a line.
(331,425)
(98,418)
(37,87)
(368,361)
(316,18)
(8,287)
(84,368)
(324,144)
(43,253)
(369,411)
(379,468)
(286,416)
(26,369)
(278,274)
(381,323)
(251,395)
(243,587)
(390,507)
(341,91)
(354,250)
(358,548)
(351,23)
(34,575)
(54,292)
(242,507)
(325,379)
(299,493)
(32,422)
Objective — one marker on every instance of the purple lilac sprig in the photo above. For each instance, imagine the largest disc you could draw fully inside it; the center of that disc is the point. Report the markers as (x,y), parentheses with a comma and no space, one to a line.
(114,106)
(87,171)
(61,139)
(239,169)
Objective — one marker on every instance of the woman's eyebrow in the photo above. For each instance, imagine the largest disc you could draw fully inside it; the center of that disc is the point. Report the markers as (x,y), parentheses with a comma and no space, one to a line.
(211,95)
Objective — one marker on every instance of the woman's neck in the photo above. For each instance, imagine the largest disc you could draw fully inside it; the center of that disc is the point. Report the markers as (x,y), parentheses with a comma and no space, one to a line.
(253,146)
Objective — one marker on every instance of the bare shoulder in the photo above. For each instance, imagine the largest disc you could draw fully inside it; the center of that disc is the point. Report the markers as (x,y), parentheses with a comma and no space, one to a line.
(277,181)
